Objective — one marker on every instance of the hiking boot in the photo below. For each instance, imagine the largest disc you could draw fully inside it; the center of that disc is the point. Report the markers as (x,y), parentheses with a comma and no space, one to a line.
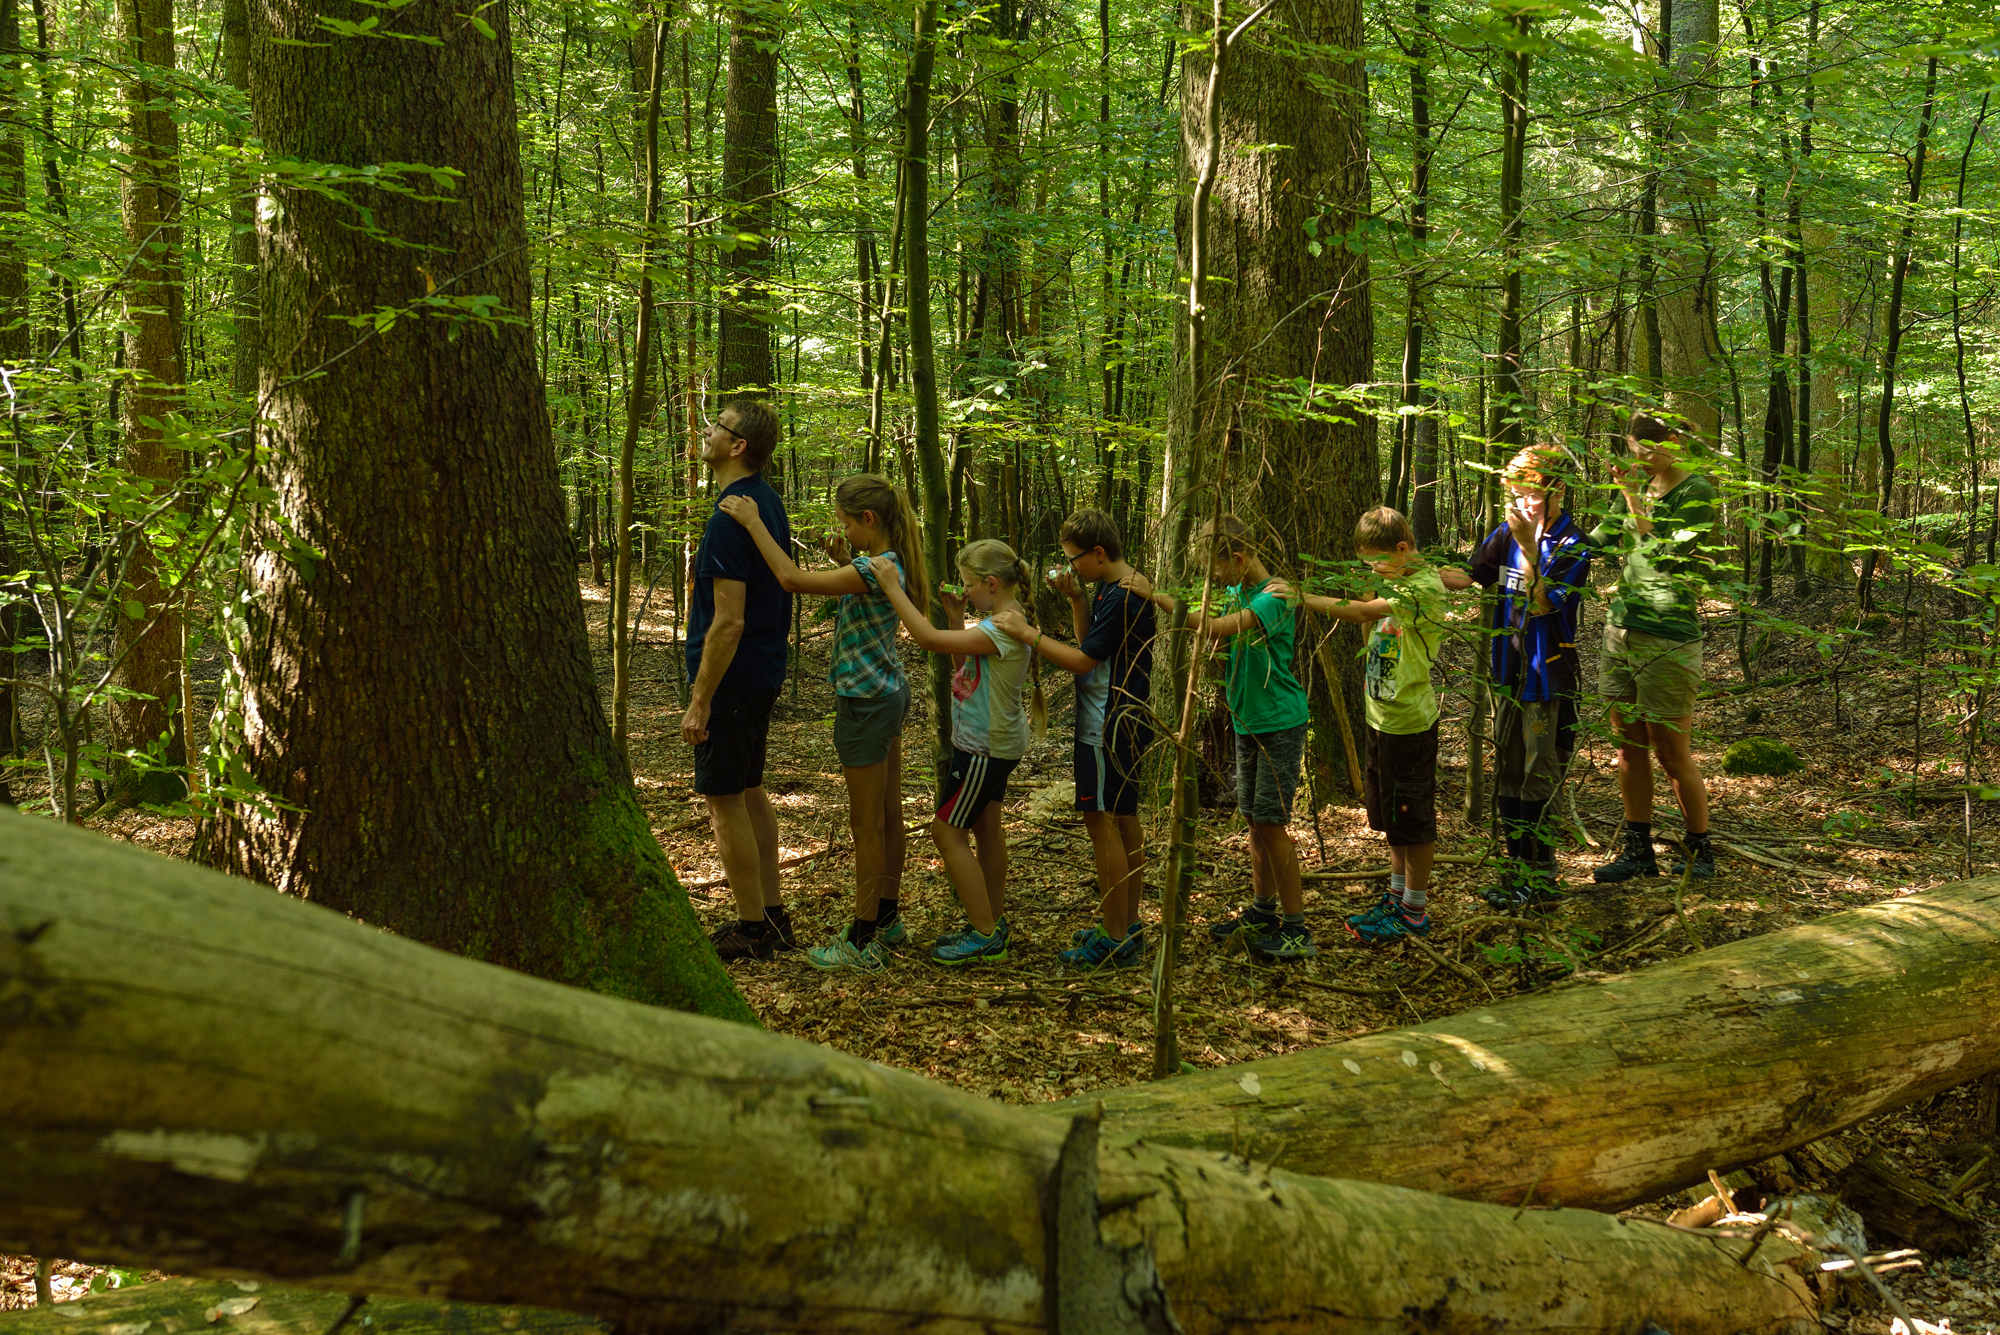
(1635,861)
(731,942)
(841,953)
(970,947)
(1097,950)
(1252,922)
(1387,923)
(1281,943)
(1704,862)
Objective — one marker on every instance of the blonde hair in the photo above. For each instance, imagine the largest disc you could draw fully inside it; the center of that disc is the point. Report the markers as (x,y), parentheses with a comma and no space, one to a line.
(890,504)
(1380,529)
(1543,466)
(990,558)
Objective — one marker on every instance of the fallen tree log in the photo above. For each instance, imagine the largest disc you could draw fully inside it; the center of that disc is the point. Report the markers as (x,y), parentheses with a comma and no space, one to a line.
(248,1307)
(1621,1091)
(200,1075)
(1899,1205)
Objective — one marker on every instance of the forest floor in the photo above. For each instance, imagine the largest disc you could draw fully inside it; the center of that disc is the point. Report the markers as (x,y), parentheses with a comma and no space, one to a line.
(1839,833)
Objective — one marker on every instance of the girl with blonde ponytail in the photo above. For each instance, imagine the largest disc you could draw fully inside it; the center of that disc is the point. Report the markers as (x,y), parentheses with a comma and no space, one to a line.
(881,551)
(989,734)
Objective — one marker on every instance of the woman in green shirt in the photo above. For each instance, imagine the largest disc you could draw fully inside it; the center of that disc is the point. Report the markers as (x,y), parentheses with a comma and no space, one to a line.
(1651,670)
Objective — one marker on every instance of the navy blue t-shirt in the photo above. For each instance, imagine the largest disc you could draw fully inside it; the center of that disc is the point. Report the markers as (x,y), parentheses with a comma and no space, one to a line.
(1120,638)
(1534,655)
(728,551)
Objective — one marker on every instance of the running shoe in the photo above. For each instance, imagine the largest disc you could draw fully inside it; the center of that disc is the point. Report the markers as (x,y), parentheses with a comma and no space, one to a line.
(841,953)
(1386,924)
(732,943)
(971,948)
(1252,922)
(1280,942)
(1098,950)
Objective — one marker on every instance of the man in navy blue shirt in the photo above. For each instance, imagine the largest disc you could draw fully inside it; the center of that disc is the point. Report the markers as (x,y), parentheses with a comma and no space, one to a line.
(736,663)
(1541,565)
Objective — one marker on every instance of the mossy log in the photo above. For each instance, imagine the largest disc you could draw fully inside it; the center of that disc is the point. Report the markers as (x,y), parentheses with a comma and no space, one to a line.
(203,1076)
(250,1307)
(1619,1091)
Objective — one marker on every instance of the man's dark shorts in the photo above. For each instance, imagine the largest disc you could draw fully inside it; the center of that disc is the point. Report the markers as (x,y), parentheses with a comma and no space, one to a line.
(732,759)
(1399,786)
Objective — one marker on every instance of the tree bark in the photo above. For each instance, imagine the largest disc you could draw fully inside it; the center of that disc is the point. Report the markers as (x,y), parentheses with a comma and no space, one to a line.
(184,1304)
(253,1086)
(748,199)
(419,696)
(1294,153)
(242,214)
(934,493)
(14,351)
(1686,270)
(147,647)
(1614,1094)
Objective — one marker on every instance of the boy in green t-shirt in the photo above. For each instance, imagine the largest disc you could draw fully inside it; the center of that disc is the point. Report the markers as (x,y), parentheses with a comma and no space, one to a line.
(1269,710)
(1405,628)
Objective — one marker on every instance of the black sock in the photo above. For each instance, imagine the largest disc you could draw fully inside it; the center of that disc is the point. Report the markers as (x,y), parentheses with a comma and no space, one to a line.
(862,932)
(1532,833)
(757,930)
(1639,837)
(1697,842)
(885,912)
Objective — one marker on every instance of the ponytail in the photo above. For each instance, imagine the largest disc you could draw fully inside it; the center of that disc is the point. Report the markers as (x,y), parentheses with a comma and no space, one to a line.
(890,504)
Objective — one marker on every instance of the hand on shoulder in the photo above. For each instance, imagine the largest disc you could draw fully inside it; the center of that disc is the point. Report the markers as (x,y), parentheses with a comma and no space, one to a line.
(1011,622)
(1137,583)
(740,508)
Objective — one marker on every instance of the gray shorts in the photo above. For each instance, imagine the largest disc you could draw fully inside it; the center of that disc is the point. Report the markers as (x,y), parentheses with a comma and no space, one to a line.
(865,725)
(1267,774)
(1535,740)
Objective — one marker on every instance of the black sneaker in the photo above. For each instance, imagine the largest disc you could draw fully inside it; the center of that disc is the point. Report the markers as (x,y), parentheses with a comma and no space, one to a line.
(1637,860)
(1506,896)
(731,942)
(1253,922)
(1704,862)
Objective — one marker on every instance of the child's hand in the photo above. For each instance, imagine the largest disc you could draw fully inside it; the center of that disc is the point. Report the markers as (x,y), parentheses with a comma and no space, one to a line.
(1458,581)
(742,509)
(1278,588)
(1063,582)
(953,599)
(1138,584)
(834,544)
(1011,622)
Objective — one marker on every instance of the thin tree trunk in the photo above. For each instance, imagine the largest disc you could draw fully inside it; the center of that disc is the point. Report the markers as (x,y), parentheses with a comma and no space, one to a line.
(748,202)
(1958,332)
(923,355)
(148,645)
(1893,332)
(638,405)
(14,349)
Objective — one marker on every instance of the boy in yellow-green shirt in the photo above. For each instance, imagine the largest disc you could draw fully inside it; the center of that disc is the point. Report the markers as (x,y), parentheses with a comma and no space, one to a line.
(1405,627)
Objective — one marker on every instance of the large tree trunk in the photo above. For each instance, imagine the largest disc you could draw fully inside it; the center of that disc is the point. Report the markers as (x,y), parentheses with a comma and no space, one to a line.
(147,647)
(418,690)
(1616,1093)
(749,199)
(1294,165)
(252,1085)
(242,215)
(1687,278)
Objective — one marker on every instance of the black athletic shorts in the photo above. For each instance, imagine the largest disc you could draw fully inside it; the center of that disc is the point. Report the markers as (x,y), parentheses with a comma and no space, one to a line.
(973,782)
(1107,775)
(1399,786)
(732,759)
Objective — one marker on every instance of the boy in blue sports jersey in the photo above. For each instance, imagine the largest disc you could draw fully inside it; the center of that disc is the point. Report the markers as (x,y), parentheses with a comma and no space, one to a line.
(1113,662)
(1540,563)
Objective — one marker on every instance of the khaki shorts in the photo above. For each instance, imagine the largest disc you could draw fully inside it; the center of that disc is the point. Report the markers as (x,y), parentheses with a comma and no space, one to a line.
(1663,676)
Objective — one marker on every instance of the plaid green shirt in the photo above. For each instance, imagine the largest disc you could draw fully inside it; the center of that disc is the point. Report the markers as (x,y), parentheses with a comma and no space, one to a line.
(865,661)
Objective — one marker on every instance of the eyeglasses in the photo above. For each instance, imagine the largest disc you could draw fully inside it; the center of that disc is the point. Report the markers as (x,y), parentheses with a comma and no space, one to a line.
(713,422)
